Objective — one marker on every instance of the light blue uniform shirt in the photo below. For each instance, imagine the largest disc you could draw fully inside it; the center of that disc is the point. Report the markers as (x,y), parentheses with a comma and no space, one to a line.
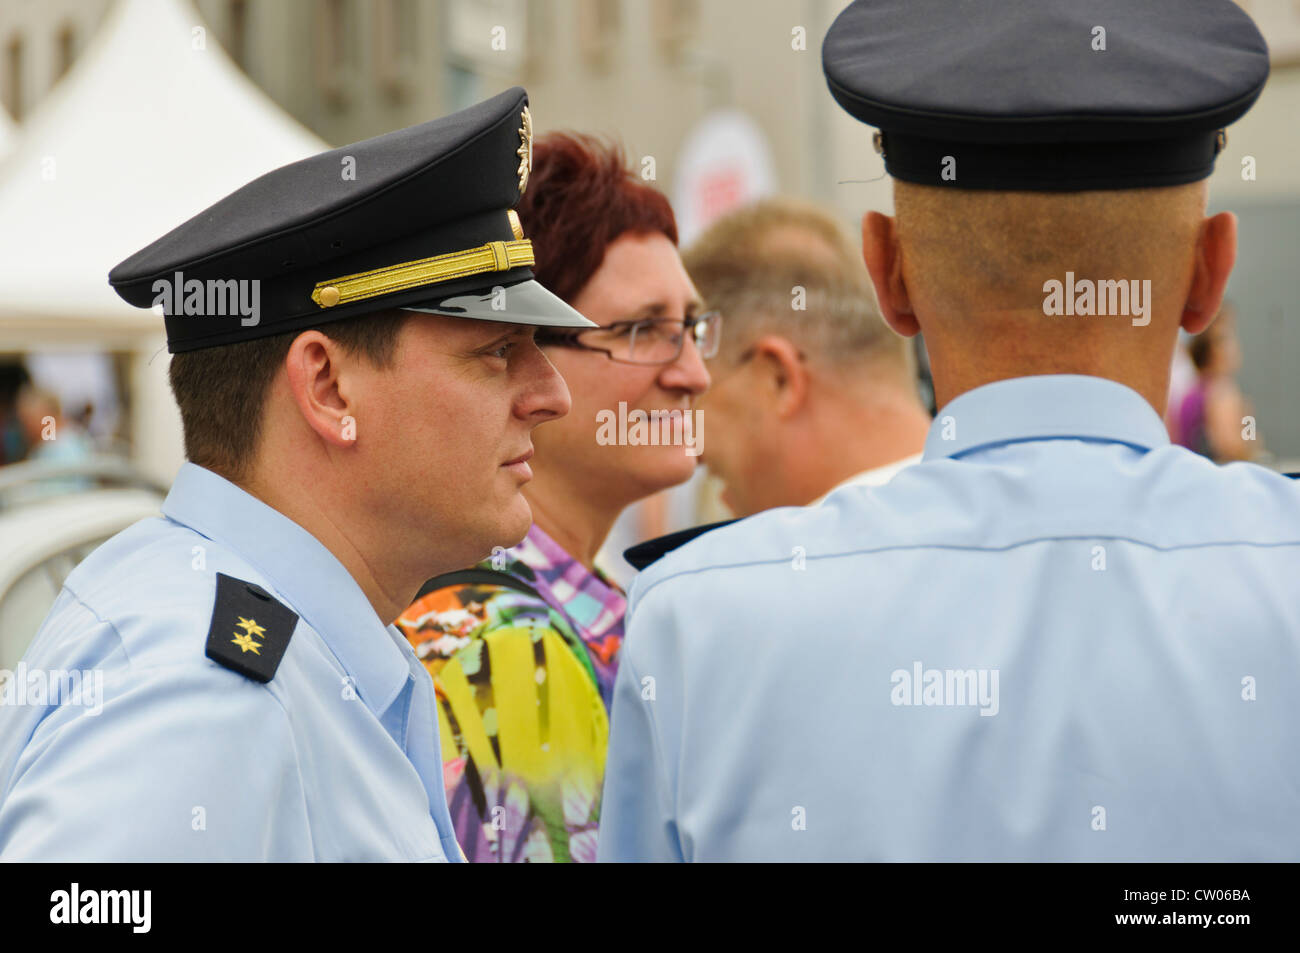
(336,758)
(1138,605)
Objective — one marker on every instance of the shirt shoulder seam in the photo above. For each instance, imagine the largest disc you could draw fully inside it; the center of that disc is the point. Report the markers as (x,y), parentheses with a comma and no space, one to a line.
(121,642)
(655,583)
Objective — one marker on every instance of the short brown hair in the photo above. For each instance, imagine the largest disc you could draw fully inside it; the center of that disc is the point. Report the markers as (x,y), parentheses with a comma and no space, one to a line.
(221,390)
(740,271)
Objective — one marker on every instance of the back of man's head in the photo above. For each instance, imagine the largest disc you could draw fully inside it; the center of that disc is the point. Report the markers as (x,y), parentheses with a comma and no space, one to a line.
(1038,168)
(972,250)
(1007,284)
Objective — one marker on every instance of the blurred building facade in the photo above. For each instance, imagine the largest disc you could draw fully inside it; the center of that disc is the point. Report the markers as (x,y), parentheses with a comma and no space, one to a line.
(642,70)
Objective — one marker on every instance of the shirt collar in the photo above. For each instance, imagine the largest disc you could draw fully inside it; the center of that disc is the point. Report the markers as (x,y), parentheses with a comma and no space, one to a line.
(302,570)
(1046,407)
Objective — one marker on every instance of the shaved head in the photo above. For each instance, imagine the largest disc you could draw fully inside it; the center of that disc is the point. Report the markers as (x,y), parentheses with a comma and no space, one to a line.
(979,273)
(968,249)
(982,274)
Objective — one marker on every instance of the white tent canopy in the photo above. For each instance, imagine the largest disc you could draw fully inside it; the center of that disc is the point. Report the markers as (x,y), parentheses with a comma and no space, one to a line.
(153,124)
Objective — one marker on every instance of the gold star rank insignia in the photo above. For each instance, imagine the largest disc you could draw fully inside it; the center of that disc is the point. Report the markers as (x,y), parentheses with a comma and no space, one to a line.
(525,150)
(250,629)
(246,643)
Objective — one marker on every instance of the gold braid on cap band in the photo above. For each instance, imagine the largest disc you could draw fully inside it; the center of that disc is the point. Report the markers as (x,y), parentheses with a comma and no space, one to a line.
(494,256)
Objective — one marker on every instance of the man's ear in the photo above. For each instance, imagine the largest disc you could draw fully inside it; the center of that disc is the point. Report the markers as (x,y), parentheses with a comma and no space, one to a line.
(885,265)
(1216,253)
(785,375)
(314,366)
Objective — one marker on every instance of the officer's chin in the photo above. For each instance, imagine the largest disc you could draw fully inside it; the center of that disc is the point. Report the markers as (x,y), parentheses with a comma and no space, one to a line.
(515,519)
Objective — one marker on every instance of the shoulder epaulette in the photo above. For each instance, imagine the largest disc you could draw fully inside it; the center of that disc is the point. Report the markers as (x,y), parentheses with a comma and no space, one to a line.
(250,629)
(643,554)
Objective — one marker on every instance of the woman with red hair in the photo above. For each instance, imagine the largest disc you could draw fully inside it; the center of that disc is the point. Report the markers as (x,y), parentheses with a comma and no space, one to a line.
(524,647)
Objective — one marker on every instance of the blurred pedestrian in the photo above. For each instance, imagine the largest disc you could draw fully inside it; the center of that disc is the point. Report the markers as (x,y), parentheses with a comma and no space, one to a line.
(1212,418)
(13,447)
(53,440)
(812,390)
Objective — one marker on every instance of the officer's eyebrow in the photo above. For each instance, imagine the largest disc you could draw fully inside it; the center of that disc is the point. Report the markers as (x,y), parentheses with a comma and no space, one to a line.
(509,332)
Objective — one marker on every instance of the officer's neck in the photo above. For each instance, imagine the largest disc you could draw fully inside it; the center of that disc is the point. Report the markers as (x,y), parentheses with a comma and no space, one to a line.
(388,595)
(958,366)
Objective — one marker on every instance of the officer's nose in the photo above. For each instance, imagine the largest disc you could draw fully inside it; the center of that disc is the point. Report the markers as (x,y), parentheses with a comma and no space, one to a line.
(546,395)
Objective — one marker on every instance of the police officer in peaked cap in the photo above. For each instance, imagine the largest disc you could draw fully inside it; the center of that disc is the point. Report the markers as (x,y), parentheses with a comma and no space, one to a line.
(357,380)
(1058,637)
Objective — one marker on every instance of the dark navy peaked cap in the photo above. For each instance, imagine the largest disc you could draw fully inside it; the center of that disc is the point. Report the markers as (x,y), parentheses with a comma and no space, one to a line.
(1046,95)
(420,219)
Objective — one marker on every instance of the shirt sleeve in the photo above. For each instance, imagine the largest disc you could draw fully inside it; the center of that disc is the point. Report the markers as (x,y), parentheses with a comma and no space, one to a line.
(181,763)
(637,820)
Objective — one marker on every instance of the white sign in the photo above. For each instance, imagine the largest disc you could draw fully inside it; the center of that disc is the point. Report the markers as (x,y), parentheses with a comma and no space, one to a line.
(724,163)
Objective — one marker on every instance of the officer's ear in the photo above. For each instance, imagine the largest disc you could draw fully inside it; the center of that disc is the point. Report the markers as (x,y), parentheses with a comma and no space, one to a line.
(1216,253)
(314,366)
(884,262)
(784,379)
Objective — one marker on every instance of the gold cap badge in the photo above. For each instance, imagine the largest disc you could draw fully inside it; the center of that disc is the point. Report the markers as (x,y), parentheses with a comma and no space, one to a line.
(525,150)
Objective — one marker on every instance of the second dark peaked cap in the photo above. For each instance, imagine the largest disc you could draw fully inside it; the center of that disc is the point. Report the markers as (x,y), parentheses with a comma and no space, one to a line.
(1046,95)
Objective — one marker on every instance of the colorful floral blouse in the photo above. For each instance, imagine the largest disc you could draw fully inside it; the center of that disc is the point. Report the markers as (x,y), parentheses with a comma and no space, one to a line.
(524,687)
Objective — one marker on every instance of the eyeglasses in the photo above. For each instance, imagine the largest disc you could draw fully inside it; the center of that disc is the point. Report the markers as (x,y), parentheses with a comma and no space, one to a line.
(649,341)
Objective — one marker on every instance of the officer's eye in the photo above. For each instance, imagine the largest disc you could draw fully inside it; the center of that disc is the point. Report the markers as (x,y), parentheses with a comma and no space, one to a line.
(504,350)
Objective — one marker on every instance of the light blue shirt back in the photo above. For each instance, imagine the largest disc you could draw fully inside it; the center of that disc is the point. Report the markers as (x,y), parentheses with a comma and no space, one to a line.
(1056,638)
(174,757)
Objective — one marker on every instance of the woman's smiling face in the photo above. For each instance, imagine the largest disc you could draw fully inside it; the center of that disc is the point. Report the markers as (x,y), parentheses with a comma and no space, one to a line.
(641,276)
